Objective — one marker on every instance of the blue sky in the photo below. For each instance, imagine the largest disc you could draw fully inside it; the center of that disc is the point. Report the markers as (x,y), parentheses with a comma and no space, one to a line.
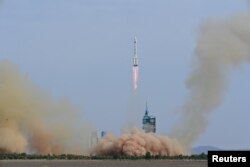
(83,50)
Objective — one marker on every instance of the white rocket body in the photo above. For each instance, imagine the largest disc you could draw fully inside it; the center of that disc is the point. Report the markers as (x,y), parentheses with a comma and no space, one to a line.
(135,60)
(135,67)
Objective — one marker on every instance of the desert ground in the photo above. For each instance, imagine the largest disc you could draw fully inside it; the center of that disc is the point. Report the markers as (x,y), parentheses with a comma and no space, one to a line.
(103,163)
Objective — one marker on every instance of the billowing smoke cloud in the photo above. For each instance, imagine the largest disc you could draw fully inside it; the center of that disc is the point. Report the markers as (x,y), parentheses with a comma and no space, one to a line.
(223,45)
(138,143)
(31,121)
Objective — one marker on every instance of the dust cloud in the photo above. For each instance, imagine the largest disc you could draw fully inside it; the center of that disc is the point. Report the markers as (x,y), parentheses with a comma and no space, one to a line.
(138,143)
(32,121)
(223,45)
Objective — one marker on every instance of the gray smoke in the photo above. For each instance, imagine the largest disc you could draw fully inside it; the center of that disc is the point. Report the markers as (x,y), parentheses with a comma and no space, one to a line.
(222,46)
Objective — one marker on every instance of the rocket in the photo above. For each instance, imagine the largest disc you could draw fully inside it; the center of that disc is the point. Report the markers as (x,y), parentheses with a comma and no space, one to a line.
(135,67)
(135,60)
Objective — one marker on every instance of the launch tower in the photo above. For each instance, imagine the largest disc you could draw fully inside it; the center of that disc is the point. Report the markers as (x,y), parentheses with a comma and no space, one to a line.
(148,122)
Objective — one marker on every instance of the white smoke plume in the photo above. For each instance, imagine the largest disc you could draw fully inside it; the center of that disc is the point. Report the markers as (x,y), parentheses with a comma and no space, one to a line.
(32,121)
(222,46)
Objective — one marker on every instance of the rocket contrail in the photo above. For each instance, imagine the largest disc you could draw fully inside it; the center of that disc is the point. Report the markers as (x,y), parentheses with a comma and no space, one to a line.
(134,101)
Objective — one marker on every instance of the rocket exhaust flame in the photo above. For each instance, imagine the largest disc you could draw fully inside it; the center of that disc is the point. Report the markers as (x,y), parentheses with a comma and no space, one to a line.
(135,78)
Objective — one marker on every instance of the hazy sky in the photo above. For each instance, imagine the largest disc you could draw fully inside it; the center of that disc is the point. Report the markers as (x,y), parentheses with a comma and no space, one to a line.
(83,50)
